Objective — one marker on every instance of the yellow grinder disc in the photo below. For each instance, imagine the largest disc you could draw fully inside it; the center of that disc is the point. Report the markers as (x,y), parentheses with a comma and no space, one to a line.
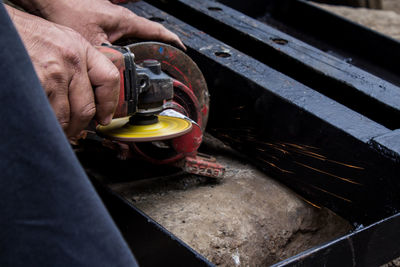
(167,127)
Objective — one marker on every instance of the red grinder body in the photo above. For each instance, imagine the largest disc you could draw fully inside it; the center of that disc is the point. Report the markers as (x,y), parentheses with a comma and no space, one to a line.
(189,98)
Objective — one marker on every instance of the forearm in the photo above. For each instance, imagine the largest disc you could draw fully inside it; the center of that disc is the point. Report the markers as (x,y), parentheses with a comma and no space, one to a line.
(99,21)
(23,22)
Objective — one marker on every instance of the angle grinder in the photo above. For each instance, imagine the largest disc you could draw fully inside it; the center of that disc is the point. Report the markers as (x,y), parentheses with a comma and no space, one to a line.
(144,90)
(162,110)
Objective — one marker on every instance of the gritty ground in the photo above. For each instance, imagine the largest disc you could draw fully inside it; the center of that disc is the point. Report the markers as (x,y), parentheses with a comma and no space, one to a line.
(393,5)
(244,219)
(386,21)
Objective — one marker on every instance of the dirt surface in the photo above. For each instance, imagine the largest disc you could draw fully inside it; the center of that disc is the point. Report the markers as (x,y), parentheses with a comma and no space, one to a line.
(244,219)
(393,5)
(386,21)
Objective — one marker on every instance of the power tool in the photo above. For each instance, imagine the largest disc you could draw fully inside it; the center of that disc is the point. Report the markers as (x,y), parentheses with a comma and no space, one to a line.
(162,110)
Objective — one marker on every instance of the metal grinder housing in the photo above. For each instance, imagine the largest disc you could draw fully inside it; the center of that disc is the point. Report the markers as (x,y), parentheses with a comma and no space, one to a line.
(155,78)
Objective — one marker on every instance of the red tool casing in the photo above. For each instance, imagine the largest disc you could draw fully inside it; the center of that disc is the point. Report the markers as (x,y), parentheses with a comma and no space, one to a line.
(190,99)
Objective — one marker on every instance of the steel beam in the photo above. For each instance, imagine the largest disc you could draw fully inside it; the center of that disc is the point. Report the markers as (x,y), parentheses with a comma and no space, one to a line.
(375,52)
(330,150)
(315,145)
(334,77)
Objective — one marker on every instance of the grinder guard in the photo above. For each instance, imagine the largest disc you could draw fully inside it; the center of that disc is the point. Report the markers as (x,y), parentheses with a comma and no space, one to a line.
(190,98)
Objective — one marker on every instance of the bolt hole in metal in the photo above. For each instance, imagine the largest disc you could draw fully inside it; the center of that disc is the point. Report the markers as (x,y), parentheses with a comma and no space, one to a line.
(214,8)
(222,54)
(156,19)
(280,41)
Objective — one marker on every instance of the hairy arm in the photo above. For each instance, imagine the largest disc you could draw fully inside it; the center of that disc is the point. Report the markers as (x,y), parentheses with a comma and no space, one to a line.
(99,21)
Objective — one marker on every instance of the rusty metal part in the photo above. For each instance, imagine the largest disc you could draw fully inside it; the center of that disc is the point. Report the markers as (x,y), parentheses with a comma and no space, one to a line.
(204,165)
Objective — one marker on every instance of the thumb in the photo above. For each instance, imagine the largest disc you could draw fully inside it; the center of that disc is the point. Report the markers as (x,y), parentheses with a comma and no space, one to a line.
(143,28)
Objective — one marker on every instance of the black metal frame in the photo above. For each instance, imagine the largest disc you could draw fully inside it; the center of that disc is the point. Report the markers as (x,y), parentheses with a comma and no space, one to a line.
(301,114)
(151,243)
(373,245)
(330,33)
(317,146)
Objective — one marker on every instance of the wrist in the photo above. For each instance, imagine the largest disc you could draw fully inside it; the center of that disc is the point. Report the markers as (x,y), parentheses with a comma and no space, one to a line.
(27,25)
(37,7)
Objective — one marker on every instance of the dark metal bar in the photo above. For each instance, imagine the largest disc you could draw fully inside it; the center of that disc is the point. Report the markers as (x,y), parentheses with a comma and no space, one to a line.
(372,246)
(377,53)
(315,145)
(377,4)
(331,76)
(151,244)
(389,145)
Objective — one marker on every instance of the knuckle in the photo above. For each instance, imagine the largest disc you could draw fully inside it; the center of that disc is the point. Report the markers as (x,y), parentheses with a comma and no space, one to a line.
(71,52)
(55,72)
(87,112)
(161,31)
(175,37)
(63,118)
(112,75)
(64,124)
(71,56)
(55,79)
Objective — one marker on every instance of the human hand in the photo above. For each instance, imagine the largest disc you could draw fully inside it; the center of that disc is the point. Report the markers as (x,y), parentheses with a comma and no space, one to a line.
(68,66)
(100,21)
